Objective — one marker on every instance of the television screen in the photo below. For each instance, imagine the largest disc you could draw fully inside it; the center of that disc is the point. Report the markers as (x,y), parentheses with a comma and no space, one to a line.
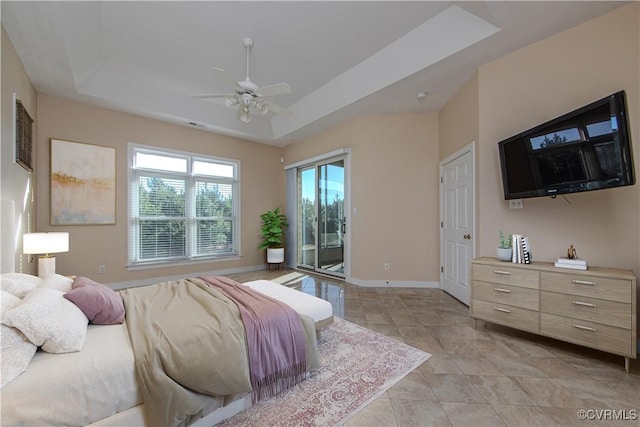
(586,149)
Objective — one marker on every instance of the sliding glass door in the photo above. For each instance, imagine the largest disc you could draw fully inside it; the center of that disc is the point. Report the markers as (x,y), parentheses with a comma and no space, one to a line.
(307,217)
(321,217)
(331,221)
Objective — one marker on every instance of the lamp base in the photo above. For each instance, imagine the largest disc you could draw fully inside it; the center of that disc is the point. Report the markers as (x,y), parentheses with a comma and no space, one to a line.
(46,266)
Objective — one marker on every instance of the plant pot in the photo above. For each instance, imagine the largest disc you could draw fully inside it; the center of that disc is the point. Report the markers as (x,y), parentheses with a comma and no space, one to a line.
(275,255)
(504,254)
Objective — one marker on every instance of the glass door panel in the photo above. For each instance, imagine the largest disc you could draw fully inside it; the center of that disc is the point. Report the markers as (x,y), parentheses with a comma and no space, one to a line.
(307,217)
(331,220)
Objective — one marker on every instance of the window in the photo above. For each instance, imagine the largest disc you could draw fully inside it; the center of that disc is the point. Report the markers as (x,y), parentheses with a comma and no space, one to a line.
(24,137)
(182,206)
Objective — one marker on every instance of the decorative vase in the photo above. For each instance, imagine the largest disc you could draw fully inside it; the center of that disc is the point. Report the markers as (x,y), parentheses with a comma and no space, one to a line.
(504,254)
(275,255)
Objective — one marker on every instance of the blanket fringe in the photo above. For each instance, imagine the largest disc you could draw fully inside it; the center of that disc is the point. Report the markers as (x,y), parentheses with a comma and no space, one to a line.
(281,381)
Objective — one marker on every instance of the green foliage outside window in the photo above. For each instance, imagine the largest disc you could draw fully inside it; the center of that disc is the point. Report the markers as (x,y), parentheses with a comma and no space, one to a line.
(163,222)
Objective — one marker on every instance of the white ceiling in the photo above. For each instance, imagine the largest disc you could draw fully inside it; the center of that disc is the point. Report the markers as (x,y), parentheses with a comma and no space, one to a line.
(342,59)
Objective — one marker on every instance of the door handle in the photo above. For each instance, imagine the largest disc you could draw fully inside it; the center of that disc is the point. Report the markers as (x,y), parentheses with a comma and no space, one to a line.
(467,236)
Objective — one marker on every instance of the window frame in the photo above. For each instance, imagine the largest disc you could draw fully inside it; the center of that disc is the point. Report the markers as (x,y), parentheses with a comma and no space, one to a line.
(191,181)
(23,135)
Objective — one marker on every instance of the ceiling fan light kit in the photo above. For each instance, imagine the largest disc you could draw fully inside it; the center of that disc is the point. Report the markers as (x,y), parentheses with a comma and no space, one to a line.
(247,93)
(244,115)
(230,101)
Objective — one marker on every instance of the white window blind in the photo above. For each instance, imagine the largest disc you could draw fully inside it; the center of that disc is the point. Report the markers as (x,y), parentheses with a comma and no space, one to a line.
(181,207)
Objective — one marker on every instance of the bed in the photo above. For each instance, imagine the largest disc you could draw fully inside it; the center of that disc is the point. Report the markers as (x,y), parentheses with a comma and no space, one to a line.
(98,385)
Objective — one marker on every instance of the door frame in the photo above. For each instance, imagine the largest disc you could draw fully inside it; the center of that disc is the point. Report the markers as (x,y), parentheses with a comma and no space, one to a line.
(345,154)
(469,148)
(317,266)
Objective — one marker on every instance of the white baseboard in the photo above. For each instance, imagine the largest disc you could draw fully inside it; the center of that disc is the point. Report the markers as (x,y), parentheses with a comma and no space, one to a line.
(152,280)
(366,283)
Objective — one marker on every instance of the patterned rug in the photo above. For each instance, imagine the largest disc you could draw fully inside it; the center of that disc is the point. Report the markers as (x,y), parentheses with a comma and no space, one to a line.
(357,366)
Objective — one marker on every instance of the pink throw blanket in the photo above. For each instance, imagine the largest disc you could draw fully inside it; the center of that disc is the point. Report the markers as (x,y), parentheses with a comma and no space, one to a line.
(275,338)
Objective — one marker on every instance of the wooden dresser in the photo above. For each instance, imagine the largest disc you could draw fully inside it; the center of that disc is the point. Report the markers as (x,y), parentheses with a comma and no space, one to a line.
(595,308)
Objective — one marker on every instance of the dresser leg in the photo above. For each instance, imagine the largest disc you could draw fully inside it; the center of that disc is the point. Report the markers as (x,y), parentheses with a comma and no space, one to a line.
(626,364)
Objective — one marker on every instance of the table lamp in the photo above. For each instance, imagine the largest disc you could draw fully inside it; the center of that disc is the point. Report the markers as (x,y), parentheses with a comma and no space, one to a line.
(45,244)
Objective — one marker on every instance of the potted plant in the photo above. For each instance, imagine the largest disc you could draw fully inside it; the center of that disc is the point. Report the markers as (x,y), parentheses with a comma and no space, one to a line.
(504,250)
(273,226)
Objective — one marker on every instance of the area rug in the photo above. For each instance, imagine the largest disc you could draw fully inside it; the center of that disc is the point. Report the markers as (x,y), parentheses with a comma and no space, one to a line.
(357,366)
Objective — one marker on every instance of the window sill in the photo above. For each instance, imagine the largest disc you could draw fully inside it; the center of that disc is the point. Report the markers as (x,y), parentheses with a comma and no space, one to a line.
(168,264)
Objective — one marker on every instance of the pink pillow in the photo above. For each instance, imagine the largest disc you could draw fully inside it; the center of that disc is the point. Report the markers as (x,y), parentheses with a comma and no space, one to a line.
(101,304)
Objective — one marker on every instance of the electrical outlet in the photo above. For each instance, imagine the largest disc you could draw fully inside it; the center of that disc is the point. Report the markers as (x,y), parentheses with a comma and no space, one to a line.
(516,204)
(102,269)
(387,266)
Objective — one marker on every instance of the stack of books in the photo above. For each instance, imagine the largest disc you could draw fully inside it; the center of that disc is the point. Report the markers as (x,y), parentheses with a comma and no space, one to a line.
(521,249)
(576,263)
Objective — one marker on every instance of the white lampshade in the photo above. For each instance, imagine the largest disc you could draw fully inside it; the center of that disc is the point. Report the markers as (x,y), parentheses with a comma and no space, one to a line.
(45,243)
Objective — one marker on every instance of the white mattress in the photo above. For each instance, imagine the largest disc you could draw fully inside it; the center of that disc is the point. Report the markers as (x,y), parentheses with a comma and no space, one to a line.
(314,307)
(75,388)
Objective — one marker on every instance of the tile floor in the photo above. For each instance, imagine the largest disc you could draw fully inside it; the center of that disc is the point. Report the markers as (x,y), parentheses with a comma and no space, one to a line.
(489,376)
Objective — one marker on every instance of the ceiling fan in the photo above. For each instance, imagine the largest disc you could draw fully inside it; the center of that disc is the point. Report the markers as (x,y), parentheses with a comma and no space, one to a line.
(248,94)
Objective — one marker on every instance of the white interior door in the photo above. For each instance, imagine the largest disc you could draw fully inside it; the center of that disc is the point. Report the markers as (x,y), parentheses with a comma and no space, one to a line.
(457,221)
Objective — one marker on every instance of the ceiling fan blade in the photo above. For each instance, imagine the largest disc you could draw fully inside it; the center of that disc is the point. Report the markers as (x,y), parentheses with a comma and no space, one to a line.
(214,95)
(278,109)
(222,73)
(274,89)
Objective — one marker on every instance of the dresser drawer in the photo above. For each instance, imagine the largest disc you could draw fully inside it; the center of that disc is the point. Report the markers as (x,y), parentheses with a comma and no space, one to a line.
(504,314)
(506,294)
(585,285)
(591,334)
(506,275)
(611,313)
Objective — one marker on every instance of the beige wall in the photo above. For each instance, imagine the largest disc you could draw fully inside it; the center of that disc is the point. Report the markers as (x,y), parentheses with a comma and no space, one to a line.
(459,119)
(16,182)
(262,185)
(536,84)
(394,162)
(394,187)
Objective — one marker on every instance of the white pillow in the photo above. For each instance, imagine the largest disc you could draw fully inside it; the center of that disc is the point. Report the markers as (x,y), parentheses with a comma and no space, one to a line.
(49,320)
(58,282)
(17,352)
(7,302)
(19,284)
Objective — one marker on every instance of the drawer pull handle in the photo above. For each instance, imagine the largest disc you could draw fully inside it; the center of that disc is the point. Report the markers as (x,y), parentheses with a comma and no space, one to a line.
(504,310)
(506,291)
(585,304)
(583,282)
(584,328)
(506,273)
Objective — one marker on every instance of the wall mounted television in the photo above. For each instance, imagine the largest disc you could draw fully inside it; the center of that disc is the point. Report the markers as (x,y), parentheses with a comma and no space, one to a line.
(586,149)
